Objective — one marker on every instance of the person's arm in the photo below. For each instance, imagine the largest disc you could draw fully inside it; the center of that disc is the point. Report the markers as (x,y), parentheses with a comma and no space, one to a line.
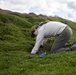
(43,42)
(39,39)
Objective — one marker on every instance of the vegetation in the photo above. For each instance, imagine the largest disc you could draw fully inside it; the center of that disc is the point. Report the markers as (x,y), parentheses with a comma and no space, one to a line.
(16,44)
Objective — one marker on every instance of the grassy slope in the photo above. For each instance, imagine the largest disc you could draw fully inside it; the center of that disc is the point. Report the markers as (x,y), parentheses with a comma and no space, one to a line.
(16,44)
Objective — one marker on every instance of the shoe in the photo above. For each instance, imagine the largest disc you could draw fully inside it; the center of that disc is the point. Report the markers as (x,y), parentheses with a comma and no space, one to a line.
(73,47)
(73,43)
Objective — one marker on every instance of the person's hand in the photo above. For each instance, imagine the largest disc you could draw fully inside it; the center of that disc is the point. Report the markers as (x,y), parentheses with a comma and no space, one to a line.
(41,46)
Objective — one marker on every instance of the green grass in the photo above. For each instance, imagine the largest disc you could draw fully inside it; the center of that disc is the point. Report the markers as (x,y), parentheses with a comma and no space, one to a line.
(22,63)
(16,45)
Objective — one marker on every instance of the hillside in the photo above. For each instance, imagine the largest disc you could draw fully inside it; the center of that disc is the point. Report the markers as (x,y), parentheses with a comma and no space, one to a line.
(16,44)
(15,29)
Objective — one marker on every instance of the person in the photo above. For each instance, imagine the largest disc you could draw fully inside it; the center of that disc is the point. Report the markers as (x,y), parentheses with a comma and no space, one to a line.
(61,31)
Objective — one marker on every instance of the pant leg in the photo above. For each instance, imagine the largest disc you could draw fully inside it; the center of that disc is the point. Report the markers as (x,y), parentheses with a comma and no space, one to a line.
(61,40)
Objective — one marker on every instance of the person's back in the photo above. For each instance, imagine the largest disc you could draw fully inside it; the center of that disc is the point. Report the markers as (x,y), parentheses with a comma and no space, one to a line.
(53,28)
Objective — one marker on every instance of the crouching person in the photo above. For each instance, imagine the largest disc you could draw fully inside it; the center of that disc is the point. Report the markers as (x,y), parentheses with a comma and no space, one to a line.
(61,31)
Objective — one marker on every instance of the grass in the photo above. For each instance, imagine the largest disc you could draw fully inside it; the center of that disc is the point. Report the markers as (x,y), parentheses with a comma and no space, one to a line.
(22,63)
(16,45)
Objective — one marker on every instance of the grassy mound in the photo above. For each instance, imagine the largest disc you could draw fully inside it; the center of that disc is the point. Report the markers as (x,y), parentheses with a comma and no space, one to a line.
(16,44)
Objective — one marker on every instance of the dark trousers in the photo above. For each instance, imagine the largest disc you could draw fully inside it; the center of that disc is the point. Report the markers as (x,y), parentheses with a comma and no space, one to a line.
(61,40)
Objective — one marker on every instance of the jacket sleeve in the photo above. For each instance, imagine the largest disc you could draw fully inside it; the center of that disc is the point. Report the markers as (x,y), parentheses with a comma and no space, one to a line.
(39,40)
(44,41)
